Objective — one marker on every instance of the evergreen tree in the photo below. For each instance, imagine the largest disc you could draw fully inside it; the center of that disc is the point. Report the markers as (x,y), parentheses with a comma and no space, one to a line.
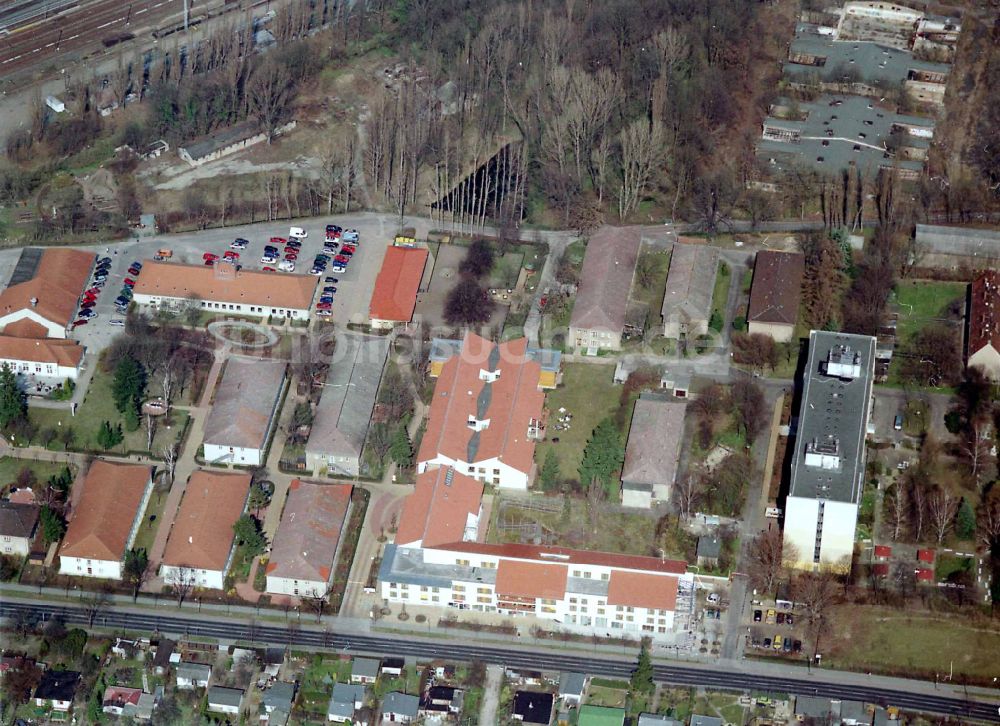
(131,417)
(13,403)
(965,521)
(134,568)
(401,449)
(642,676)
(129,385)
(53,525)
(248,534)
(109,436)
(548,475)
(602,456)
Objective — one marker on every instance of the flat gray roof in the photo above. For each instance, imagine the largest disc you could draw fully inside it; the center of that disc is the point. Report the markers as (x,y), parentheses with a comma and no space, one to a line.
(833,417)
(872,61)
(348,398)
(244,402)
(833,126)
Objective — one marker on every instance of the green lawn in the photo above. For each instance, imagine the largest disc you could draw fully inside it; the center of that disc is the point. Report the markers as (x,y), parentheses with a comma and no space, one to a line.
(604,696)
(11,467)
(151,520)
(923,301)
(871,639)
(949,565)
(720,294)
(98,406)
(587,392)
(651,295)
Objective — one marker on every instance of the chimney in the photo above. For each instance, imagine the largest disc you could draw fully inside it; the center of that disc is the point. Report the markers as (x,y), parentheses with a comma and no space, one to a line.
(33,301)
(190,540)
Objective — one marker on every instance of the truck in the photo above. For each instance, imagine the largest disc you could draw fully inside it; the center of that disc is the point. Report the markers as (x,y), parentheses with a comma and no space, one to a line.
(163,254)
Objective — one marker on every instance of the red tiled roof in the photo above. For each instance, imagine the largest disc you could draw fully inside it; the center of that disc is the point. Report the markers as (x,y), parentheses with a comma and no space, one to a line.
(120,695)
(984,312)
(222,283)
(883,551)
(531,579)
(26,328)
(925,575)
(925,555)
(513,400)
(880,569)
(568,556)
(395,292)
(437,510)
(202,534)
(60,351)
(56,286)
(103,516)
(642,590)
(776,288)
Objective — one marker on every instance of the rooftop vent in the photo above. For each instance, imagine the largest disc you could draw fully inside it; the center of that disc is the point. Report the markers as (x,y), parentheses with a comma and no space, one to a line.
(823,454)
(844,363)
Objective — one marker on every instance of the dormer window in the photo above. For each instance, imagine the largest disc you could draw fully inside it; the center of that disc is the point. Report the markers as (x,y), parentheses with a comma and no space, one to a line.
(489,376)
(478,425)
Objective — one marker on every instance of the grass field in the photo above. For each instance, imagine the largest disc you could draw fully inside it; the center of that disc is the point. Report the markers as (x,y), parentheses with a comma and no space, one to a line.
(949,565)
(589,394)
(720,294)
(150,521)
(652,294)
(98,406)
(922,301)
(11,467)
(870,639)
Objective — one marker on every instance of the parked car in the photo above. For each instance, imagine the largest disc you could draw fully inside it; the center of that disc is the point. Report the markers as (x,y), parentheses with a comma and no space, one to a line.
(239,244)
(326,300)
(78,323)
(349,248)
(104,261)
(121,301)
(287,265)
(797,646)
(338,268)
(333,280)
(777,642)
(333,228)
(767,642)
(330,290)
(209,263)
(86,305)
(351,235)
(343,260)
(757,615)
(787,645)
(117,322)
(210,256)
(781,618)
(88,314)
(134,271)
(268,260)
(268,269)
(789,620)
(316,271)
(230,255)
(278,241)
(297,232)
(100,277)
(324,313)
(770,616)
(129,282)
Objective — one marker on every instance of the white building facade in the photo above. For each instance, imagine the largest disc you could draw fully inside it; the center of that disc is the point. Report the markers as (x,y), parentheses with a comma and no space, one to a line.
(489,471)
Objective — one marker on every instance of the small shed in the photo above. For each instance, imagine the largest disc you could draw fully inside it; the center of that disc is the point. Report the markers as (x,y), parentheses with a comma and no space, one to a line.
(709,549)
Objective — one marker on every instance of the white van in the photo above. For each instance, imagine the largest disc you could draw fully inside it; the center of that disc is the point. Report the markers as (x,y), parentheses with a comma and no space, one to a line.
(297,233)
(286,266)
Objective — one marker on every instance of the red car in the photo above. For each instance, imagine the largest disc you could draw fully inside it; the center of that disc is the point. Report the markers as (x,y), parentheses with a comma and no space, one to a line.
(87,304)
(278,240)
(268,269)
(230,255)
(209,263)
(78,323)
(342,259)
(324,306)
(129,282)
(210,256)
(291,257)
(95,291)
(349,249)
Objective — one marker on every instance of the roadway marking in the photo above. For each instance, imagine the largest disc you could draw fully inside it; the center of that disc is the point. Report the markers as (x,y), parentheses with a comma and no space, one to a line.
(140,12)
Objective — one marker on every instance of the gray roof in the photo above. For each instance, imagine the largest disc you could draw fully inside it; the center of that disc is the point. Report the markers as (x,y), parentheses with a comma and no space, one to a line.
(308,535)
(444,348)
(654,442)
(365,667)
(690,282)
(342,709)
(571,683)
(870,60)
(347,693)
(842,123)
(833,418)
(206,145)
(244,401)
(279,696)
(856,712)
(345,406)
(193,671)
(401,703)
(813,707)
(963,241)
(222,696)
(709,546)
(606,278)
(406,565)
(652,719)
(18,520)
(699,720)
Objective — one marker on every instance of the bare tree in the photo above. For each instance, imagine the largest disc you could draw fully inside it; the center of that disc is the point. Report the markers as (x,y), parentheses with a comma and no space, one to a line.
(642,152)
(318,601)
(975,447)
(894,504)
(182,583)
(768,556)
(815,592)
(988,518)
(168,380)
(918,508)
(150,425)
(95,603)
(942,507)
(686,494)
(268,91)
(169,453)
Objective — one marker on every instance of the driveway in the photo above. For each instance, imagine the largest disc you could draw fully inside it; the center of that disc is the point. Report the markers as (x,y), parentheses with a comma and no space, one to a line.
(491,695)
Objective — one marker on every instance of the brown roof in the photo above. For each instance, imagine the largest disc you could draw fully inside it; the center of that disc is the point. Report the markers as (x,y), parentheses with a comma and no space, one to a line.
(221,283)
(309,532)
(244,402)
(56,286)
(606,278)
(106,510)
(642,590)
(776,288)
(26,328)
(437,510)
(18,520)
(570,556)
(511,402)
(531,579)
(654,442)
(202,535)
(984,312)
(395,293)
(60,351)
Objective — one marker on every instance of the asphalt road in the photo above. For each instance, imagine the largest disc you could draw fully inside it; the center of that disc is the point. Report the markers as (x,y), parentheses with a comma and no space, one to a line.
(718,676)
